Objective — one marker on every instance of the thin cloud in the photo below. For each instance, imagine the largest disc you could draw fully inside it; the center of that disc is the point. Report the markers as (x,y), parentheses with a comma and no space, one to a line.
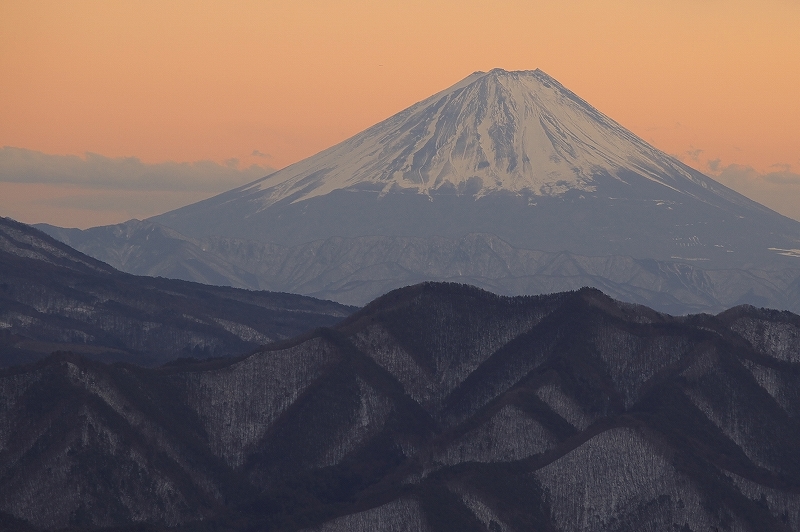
(783,178)
(694,154)
(18,165)
(782,167)
(779,190)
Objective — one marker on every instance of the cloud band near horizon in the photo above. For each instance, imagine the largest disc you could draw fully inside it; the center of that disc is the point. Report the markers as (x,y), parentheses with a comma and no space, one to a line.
(19,165)
(92,190)
(73,191)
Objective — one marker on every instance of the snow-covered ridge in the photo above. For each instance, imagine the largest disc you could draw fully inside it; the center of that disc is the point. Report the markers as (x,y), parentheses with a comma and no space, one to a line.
(521,132)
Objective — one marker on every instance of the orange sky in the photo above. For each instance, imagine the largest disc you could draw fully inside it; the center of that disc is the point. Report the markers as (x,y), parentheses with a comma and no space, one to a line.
(189,81)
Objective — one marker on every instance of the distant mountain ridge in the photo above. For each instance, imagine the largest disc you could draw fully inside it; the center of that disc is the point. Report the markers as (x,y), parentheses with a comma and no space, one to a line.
(354,270)
(437,407)
(55,298)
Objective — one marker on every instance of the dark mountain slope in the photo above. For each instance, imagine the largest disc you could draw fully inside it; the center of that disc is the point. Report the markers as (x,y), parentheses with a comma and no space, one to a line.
(436,407)
(53,297)
(93,445)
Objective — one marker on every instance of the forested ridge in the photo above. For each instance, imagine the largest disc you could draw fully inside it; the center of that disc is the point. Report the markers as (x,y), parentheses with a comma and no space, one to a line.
(436,407)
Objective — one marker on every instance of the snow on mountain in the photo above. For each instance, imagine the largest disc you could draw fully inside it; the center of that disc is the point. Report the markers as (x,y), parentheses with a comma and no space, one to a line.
(521,132)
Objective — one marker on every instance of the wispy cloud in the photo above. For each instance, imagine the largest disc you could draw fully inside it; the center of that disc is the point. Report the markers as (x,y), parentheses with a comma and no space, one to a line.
(776,186)
(74,191)
(257,153)
(694,153)
(778,190)
(18,165)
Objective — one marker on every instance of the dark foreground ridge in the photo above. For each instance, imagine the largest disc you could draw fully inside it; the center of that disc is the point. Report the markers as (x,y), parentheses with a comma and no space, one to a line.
(53,297)
(437,407)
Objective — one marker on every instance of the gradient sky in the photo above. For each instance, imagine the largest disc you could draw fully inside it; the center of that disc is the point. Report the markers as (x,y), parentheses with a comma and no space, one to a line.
(230,89)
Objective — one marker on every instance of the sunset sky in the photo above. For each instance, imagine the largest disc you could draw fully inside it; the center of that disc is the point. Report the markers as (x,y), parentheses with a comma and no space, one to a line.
(112,110)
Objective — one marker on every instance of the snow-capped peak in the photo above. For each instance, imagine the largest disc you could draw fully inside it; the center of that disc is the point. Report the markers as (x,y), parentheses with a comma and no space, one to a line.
(521,132)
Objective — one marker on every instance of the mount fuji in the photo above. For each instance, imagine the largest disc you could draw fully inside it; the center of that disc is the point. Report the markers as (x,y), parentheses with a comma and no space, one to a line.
(495,181)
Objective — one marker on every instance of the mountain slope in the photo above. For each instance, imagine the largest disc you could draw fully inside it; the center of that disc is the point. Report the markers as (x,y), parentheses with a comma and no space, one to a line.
(144,248)
(436,407)
(55,298)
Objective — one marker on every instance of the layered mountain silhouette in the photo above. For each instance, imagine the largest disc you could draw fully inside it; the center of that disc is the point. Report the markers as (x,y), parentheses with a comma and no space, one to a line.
(55,298)
(353,270)
(437,407)
(493,181)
